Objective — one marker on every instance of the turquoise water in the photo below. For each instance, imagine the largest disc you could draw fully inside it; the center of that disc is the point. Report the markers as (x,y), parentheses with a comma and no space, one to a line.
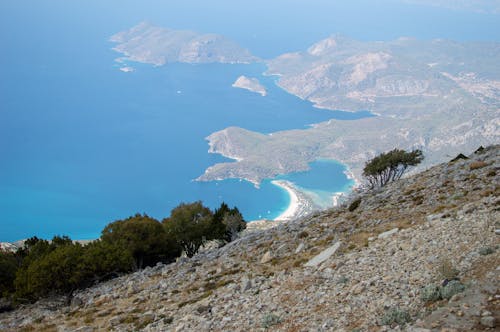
(83,144)
(324,178)
(90,148)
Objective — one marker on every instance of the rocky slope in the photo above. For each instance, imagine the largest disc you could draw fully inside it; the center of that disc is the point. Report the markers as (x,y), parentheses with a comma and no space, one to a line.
(345,269)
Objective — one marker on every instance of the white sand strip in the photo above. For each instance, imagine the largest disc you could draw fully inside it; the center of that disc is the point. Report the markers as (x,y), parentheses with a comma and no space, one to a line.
(293,208)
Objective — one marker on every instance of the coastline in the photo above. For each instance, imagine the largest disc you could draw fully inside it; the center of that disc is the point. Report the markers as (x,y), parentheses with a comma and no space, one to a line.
(300,205)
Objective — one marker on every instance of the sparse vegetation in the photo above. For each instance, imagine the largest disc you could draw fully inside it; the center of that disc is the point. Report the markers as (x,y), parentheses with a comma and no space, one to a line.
(269,320)
(460,156)
(451,288)
(484,251)
(390,166)
(354,204)
(430,293)
(477,165)
(396,316)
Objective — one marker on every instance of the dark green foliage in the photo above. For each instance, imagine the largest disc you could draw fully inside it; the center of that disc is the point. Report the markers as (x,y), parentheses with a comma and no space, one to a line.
(9,264)
(232,219)
(61,266)
(480,150)
(144,237)
(390,166)
(58,270)
(191,225)
(103,260)
(458,157)
(354,204)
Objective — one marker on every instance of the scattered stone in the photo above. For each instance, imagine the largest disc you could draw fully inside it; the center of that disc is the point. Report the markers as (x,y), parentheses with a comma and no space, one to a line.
(266,258)
(323,256)
(84,329)
(387,234)
(358,289)
(485,313)
(299,248)
(246,284)
(488,321)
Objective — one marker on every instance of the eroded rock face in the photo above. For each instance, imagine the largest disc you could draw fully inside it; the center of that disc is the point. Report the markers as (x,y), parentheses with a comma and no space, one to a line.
(447,213)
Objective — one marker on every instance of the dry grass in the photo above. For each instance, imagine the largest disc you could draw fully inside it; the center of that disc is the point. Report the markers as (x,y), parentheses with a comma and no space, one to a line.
(359,239)
(477,164)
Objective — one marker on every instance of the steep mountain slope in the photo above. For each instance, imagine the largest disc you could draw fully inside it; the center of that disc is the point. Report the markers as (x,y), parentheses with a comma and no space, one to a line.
(345,269)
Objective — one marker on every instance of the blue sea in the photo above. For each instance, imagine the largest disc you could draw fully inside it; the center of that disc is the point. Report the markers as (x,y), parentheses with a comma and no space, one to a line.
(83,144)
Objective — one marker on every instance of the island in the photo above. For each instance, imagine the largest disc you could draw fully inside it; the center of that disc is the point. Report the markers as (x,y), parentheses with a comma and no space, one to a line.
(250,84)
(150,44)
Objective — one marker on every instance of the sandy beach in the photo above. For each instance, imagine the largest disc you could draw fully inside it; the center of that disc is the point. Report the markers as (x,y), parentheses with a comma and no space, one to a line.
(299,206)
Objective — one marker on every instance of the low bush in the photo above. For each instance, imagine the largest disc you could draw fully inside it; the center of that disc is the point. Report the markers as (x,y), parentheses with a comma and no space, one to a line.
(430,293)
(484,251)
(398,316)
(433,293)
(270,320)
(451,288)
(354,204)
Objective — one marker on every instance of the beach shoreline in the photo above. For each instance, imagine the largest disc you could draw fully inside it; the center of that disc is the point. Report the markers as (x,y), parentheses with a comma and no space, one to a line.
(300,205)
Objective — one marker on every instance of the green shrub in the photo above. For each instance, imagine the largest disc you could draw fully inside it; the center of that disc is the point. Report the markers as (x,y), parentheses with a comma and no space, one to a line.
(354,204)
(270,320)
(430,293)
(400,317)
(144,237)
(390,166)
(8,267)
(458,157)
(486,251)
(452,288)
(191,226)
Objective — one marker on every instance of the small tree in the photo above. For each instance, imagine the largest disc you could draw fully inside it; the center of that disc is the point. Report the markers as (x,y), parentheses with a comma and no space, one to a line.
(390,166)
(144,237)
(232,219)
(191,225)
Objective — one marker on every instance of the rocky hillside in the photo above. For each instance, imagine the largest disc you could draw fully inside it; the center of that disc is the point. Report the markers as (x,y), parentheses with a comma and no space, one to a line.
(418,255)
